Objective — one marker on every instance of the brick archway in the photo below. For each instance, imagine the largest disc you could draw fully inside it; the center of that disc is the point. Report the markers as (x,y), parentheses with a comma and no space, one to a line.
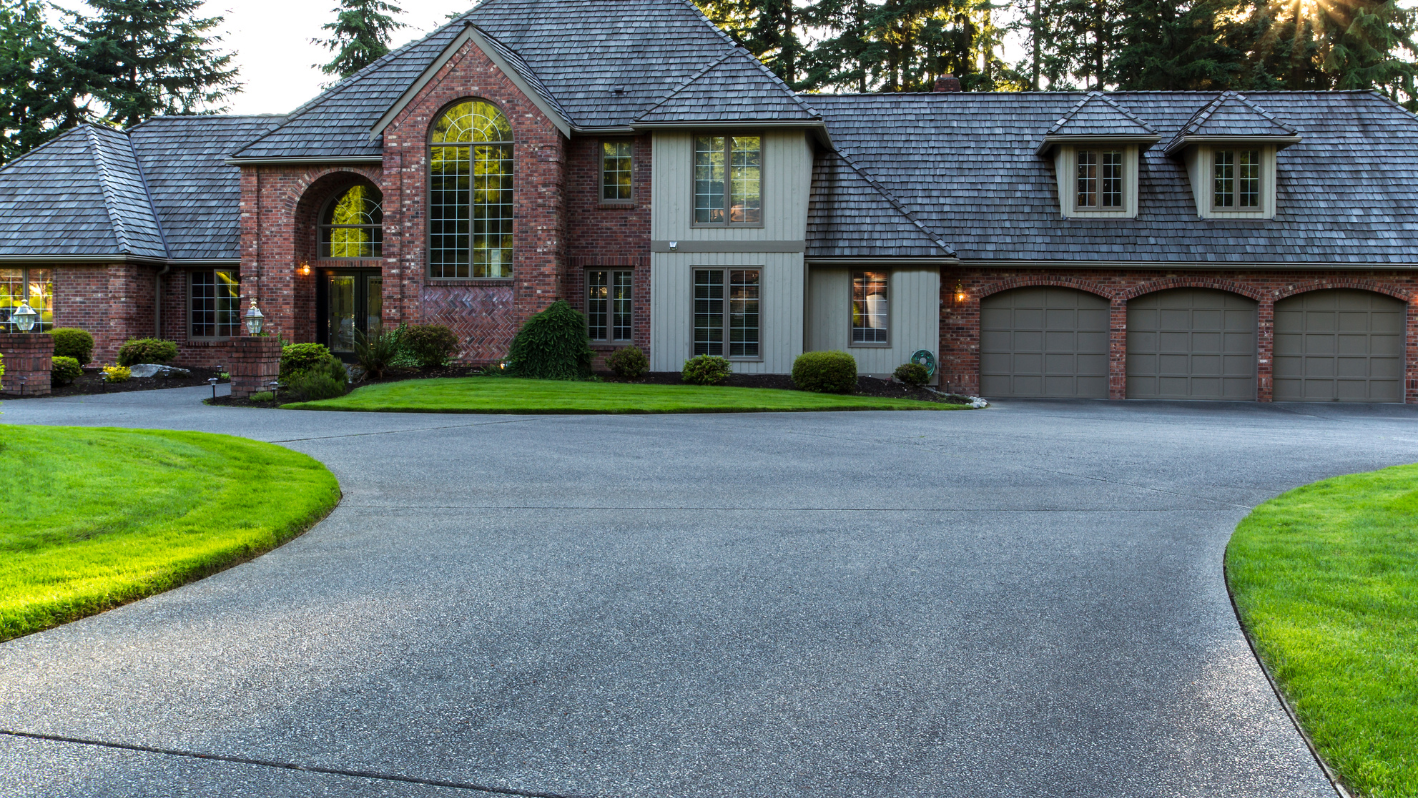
(1372,286)
(1048,281)
(1213,283)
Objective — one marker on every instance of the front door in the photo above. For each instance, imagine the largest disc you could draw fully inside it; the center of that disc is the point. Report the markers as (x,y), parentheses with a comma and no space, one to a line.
(349,302)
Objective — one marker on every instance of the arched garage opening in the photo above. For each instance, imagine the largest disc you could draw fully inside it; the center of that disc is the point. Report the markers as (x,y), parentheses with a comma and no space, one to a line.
(1192,343)
(1044,341)
(1339,345)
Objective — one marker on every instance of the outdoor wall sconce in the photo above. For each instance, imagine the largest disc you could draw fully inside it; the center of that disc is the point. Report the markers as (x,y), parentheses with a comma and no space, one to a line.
(24,317)
(304,270)
(960,295)
(254,319)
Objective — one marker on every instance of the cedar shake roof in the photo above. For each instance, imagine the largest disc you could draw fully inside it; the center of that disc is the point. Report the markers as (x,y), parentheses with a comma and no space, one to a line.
(736,88)
(1096,115)
(1230,115)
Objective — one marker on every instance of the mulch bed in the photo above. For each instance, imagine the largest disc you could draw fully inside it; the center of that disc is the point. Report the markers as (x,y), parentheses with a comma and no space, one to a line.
(93,383)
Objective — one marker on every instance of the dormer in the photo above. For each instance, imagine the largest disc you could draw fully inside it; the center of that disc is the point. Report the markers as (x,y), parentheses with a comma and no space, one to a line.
(1096,149)
(1229,148)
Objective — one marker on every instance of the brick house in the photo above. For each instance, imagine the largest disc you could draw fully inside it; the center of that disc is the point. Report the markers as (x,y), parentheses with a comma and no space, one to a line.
(632,160)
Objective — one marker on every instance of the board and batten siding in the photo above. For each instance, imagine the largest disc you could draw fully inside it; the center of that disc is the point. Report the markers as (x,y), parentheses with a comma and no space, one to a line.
(786,187)
(913,316)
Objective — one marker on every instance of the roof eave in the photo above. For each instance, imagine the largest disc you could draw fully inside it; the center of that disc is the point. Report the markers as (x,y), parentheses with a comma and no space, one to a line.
(117,257)
(882,259)
(1050,142)
(804,124)
(330,159)
(1180,143)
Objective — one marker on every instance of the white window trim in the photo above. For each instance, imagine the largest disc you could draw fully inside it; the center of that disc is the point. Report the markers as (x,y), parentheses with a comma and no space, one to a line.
(1201,162)
(1066,170)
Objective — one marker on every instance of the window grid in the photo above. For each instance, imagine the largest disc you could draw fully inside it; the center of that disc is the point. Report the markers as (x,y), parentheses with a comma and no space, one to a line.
(352,226)
(1237,179)
(622,317)
(1100,179)
(1225,179)
(728,180)
(709,179)
(33,285)
(870,309)
(470,193)
(743,314)
(727,306)
(1087,179)
(215,310)
(617,167)
(597,302)
(709,312)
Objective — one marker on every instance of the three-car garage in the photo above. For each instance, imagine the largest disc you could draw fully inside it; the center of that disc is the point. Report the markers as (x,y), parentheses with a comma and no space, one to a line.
(1330,345)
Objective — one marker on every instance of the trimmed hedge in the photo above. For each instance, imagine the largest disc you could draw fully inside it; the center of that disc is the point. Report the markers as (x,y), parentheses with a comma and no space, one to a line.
(913,375)
(73,342)
(628,363)
(825,372)
(706,370)
(296,358)
(64,370)
(146,350)
(430,344)
(552,346)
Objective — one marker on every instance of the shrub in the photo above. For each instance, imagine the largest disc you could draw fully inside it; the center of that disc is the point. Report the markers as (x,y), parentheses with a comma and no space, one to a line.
(706,370)
(552,346)
(72,342)
(825,372)
(628,363)
(913,375)
(430,344)
(117,373)
(296,358)
(261,396)
(314,385)
(64,370)
(146,350)
(375,353)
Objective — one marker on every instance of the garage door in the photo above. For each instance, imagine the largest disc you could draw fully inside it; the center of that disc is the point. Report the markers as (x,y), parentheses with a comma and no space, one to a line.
(1339,346)
(1044,342)
(1192,343)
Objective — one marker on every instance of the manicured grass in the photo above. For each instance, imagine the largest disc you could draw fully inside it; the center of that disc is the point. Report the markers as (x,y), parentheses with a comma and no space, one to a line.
(508,395)
(94,518)
(1326,581)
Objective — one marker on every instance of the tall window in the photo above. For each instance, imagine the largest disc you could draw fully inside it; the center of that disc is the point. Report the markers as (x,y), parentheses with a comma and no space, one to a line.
(1237,177)
(617,166)
(33,285)
(609,306)
(352,225)
(728,180)
(470,193)
(1100,179)
(215,304)
(726,310)
(869,309)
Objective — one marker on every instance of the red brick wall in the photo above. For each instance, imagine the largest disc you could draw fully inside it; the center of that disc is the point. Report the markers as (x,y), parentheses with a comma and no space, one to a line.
(111,302)
(28,361)
(960,320)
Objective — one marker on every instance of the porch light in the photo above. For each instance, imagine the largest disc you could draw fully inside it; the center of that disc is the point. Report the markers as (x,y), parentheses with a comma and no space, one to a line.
(305,270)
(24,317)
(960,295)
(254,319)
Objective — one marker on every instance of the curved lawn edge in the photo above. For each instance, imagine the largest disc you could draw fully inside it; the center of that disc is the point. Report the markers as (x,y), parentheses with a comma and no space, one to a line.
(88,553)
(574,412)
(1324,583)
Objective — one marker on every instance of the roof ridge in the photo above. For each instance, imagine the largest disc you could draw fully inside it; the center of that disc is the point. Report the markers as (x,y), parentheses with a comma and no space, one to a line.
(1090,97)
(1246,101)
(148,193)
(686,84)
(782,84)
(895,203)
(100,163)
(522,64)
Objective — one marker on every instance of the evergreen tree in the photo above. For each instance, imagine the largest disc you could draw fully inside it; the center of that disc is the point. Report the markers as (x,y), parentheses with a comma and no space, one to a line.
(38,96)
(767,28)
(359,36)
(1164,45)
(144,58)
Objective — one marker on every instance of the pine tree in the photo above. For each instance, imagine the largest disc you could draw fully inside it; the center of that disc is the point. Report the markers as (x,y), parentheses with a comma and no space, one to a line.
(38,95)
(769,29)
(359,36)
(1164,45)
(144,58)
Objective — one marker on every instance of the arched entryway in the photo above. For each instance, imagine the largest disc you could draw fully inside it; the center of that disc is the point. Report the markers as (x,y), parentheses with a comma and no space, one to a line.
(349,279)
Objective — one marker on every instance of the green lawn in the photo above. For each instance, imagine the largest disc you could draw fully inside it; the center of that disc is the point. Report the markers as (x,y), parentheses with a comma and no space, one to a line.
(94,518)
(1326,580)
(508,395)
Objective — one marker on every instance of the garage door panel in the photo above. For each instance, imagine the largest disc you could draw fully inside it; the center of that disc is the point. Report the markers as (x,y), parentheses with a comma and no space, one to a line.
(1028,319)
(1044,342)
(1191,344)
(1060,341)
(1092,341)
(1347,344)
(1028,363)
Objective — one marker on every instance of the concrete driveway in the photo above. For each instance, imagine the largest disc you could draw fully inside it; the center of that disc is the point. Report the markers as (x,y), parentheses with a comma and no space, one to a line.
(1024,601)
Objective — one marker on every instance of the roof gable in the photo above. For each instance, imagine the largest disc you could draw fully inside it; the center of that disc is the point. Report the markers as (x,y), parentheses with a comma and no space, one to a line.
(735,88)
(51,202)
(1231,115)
(1097,115)
(852,216)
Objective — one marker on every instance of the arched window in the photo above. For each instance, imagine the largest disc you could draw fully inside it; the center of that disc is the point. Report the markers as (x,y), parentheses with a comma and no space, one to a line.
(470,193)
(352,225)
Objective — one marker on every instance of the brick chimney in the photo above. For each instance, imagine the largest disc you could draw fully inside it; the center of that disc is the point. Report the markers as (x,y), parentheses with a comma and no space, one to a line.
(947,83)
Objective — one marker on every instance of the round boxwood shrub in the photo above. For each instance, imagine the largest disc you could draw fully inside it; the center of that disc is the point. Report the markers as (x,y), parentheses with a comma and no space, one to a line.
(73,342)
(706,370)
(64,370)
(628,363)
(552,346)
(913,375)
(825,372)
(430,344)
(296,358)
(146,350)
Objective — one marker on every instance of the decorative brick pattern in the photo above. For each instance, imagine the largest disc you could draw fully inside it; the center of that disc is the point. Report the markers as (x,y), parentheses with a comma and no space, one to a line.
(28,360)
(255,364)
(960,319)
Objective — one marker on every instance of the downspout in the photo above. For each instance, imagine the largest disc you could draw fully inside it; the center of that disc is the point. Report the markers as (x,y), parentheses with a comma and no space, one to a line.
(157,299)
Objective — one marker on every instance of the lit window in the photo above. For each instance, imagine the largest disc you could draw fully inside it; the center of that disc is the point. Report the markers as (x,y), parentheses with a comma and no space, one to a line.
(869,308)
(609,303)
(35,286)
(1236,174)
(1100,179)
(730,315)
(215,304)
(728,180)
(353,224)
(470,193)
(617,165)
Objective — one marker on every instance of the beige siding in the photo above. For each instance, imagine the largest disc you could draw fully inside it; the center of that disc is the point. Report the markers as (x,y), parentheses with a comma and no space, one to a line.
(780,309)
(787,184)
(914,317)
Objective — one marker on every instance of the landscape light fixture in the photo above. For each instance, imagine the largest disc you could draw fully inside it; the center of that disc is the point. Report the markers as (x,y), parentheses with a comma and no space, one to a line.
(276,387)
(213,382)
(24,317)
(254,319)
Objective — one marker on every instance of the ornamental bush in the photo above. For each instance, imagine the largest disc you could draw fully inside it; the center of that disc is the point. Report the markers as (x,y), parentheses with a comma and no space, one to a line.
(376,353)
(825,372)
(912,375)
(706,370)
(430,344)
(64,370)
(552,346)
(296,358)
(146,350)
(117,373)
(628,363)
(316,384)
(73,342)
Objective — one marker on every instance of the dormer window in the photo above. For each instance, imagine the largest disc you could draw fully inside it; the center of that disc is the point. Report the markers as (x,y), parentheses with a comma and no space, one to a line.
(1097,181)
(1229,146)
(1100,179)
(1237,178)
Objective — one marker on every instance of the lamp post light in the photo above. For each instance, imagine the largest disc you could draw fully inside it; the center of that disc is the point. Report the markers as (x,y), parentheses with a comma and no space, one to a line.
(254,319)
(24,317)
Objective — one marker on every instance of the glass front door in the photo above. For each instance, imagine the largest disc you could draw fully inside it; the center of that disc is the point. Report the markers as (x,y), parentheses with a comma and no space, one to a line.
(351,302)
